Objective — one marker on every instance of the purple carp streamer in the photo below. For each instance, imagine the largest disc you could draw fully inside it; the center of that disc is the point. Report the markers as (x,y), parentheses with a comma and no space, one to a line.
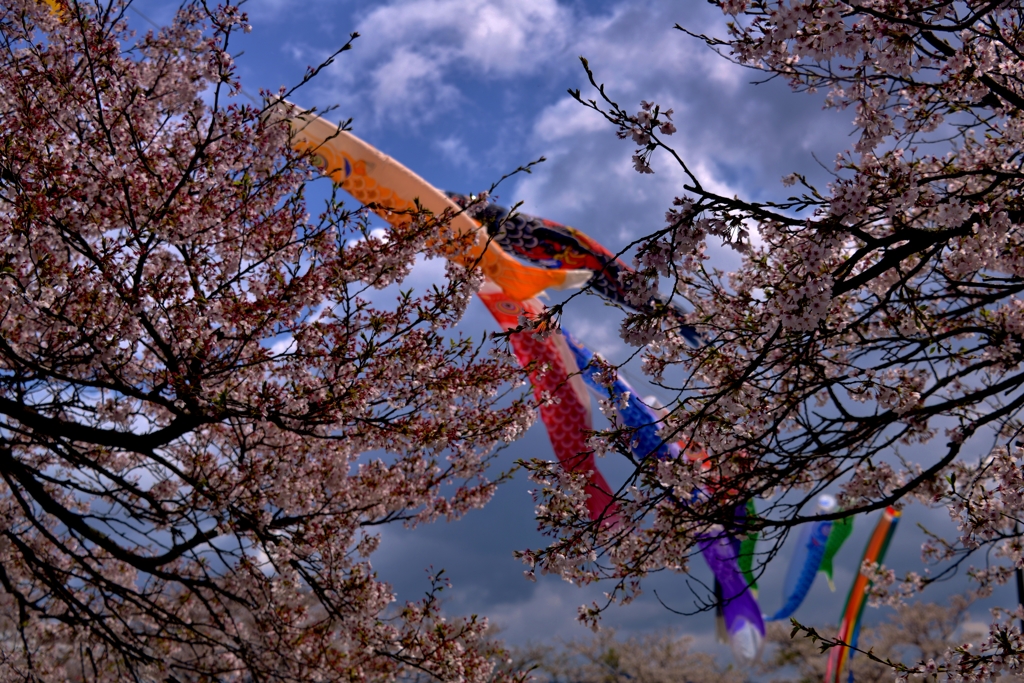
(743,621)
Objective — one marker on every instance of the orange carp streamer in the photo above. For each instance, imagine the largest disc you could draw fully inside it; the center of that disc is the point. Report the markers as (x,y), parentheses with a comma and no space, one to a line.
(376,179)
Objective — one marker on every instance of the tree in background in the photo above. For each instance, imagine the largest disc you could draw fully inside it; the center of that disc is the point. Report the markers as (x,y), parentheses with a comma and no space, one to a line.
(871,339)
(662,657)
(194,377)
(918,631)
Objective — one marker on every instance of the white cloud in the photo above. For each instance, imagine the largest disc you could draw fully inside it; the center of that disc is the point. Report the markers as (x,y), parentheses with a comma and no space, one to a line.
(490,36)
(410,80)
(600,334)
(567,118)
(736,138)
(454,149)
(552,604)
(549,614)
(416,51)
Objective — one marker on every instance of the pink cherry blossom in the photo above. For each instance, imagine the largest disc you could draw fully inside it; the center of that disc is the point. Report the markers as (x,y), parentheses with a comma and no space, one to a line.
(879,311)
(204,415)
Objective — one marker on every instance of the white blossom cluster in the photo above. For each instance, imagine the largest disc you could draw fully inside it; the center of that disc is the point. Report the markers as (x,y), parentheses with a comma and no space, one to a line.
(881,311)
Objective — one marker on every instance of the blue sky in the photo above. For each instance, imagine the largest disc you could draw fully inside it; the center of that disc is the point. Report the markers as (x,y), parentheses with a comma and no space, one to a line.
(464,91)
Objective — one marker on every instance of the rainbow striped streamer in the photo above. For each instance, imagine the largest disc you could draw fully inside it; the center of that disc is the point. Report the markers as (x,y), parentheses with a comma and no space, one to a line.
(849,625)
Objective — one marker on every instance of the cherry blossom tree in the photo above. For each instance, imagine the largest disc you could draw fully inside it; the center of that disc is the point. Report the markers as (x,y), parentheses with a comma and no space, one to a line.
(918,631)
(870,341)
(204,415)
(915,632)
(661,657)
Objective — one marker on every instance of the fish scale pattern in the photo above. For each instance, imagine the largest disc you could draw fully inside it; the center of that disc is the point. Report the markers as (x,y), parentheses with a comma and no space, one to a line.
(633,412)
(566,418)
(396,194)
(553,245)
(813,540)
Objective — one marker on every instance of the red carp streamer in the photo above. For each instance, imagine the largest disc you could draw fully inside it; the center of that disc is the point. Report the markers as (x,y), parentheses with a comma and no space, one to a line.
(555,374)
